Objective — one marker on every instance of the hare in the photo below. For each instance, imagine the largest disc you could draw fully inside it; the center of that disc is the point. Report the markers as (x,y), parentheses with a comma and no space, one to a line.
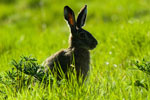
(80,40)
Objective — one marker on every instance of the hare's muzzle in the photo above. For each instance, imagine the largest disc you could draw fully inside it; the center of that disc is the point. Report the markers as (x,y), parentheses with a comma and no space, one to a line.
(93,44)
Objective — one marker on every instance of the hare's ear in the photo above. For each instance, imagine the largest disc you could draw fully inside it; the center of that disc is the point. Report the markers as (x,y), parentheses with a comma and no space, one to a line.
(82,17)
(69,16)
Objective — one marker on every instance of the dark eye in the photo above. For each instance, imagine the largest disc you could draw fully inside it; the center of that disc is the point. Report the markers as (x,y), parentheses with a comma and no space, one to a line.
(82,35)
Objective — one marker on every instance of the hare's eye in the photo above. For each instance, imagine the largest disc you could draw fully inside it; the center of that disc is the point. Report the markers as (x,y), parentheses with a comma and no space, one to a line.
(82,35)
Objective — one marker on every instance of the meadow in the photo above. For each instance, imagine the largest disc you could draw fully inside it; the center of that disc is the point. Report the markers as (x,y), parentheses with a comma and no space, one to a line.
(38,28)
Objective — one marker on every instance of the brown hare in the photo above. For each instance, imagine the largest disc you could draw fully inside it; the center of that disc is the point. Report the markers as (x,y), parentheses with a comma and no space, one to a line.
(80,40)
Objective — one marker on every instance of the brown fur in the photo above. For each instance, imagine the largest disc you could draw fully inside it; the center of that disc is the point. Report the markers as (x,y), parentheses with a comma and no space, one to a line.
(65,59)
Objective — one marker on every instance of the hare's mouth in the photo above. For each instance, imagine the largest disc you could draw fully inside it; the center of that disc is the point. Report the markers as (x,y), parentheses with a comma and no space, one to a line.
(92,47)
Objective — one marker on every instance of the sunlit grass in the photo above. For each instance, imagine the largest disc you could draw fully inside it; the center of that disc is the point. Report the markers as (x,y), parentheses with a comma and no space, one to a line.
(37,28)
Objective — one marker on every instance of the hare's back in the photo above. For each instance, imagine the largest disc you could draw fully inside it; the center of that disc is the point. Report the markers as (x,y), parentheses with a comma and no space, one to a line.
(61,58)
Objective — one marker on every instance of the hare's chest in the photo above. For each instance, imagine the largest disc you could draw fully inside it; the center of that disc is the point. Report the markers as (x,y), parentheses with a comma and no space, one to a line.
(82,62)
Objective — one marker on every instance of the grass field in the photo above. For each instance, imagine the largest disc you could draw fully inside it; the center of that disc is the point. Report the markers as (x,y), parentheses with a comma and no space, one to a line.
(37,28)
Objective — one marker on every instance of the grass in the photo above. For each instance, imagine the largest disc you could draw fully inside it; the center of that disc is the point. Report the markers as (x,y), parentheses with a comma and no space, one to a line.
(37,28)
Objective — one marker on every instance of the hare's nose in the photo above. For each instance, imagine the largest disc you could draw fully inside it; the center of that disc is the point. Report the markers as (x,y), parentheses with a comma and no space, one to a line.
(95,42)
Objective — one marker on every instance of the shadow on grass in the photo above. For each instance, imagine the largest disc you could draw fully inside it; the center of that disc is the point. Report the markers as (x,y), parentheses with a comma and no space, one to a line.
(107,18)
(141,13)
(7,1)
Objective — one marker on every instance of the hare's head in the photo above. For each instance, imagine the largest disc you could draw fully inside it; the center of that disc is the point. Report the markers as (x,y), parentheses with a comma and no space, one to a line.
(79,38)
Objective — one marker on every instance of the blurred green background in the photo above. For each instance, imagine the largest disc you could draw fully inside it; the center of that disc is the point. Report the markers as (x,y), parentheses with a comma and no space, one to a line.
(38,28)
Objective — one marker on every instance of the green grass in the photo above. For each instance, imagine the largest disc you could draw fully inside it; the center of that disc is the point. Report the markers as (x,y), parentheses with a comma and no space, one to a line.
(37,28)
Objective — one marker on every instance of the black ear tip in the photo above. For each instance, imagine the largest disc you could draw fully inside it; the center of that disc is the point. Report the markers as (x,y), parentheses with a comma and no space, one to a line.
(66,7)
(85,7)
